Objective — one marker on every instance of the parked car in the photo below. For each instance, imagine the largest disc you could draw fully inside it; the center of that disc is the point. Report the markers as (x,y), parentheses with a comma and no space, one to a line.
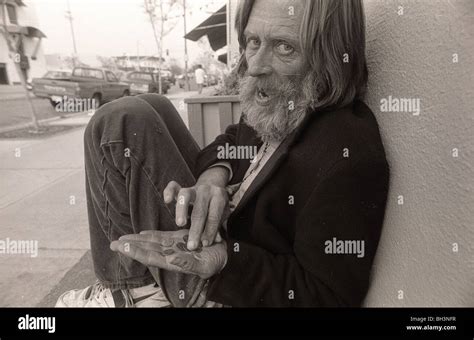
(169,76)
(145,82)
(98,84)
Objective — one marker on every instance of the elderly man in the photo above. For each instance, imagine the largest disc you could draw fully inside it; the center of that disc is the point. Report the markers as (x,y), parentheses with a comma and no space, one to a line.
(296,225)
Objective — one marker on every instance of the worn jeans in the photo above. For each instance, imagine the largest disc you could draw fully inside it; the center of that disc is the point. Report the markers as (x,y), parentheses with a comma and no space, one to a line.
(134,147)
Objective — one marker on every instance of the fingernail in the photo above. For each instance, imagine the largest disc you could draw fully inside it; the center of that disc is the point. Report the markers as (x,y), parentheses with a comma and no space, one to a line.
(114,245)
(180,221)
(191,245)
(205,243)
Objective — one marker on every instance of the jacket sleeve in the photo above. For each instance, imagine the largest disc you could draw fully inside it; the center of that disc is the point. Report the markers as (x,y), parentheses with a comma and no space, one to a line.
(347,205)
(208,155)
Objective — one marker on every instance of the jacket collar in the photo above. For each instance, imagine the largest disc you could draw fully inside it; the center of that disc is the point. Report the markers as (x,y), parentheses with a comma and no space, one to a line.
(274,162)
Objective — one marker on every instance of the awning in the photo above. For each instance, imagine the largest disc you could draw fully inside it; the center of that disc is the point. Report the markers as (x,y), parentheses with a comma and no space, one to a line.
(222,58)
(28,31)
(34,32)
(215,27)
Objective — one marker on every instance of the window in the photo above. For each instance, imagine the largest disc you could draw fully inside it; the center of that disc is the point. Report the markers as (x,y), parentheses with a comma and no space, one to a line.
(110,76)
(3,74)
(11,10)
(140,76)
(57,75)
(88,73)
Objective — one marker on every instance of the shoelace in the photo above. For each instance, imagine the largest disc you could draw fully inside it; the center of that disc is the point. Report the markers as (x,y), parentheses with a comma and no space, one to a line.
(98,292)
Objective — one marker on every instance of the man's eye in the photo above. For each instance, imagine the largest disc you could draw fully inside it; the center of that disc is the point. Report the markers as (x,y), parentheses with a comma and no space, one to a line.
(284,49)
(253,43)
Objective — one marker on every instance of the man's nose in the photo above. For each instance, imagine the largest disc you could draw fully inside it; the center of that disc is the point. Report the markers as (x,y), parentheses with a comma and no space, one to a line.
(260,64)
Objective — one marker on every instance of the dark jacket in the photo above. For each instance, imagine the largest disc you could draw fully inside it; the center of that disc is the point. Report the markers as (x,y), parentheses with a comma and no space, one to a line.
(281,258)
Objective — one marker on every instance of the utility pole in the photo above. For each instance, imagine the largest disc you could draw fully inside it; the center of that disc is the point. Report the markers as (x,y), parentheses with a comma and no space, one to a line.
(185,49)
(138,55)
(70,19)
(13,48)
(160,62)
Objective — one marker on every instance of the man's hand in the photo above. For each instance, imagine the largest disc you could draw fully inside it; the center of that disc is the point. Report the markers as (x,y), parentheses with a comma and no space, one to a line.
(210,206)
(167,250)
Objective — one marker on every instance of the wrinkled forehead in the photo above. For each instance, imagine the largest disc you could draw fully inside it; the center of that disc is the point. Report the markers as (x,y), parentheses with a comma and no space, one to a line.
(276,14)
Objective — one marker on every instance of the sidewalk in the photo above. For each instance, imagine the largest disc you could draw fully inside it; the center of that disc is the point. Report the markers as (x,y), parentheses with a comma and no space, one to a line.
(42,198)
(8,92)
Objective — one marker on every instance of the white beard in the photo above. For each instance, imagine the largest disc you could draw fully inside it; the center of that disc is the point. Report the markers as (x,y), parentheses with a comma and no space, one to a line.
(288,106)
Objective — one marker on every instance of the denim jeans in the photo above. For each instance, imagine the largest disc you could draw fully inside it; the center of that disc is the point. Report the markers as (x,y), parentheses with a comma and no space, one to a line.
(134,146)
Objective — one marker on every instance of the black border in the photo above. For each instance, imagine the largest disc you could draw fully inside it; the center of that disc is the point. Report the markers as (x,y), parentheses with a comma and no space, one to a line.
(190,323)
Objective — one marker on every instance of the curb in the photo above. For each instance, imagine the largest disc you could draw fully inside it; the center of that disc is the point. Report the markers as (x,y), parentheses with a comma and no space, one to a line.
(41,121)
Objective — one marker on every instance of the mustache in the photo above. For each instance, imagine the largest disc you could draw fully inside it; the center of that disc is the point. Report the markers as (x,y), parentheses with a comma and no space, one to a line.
(290,97)
(270,84)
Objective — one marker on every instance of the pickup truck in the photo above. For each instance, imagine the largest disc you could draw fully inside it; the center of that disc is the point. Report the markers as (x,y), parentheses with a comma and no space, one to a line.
(145,82)
(84,83)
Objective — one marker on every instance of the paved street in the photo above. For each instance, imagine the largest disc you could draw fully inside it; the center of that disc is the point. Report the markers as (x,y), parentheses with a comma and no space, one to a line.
(42,198)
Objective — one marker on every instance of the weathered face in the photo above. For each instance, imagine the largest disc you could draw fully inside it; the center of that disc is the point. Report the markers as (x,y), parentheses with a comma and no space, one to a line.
(272,86)
(272,37)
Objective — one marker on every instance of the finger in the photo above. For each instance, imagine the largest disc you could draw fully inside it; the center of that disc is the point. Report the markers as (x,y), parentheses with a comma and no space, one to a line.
(144,256)
(158,237)
(185,196)
(214,217)
(147,245)
(198,220)
(148,232)
(171,191)
(218,237)
(168,234)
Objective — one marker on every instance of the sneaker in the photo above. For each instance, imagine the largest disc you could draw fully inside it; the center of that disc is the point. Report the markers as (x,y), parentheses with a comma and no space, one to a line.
(99,296)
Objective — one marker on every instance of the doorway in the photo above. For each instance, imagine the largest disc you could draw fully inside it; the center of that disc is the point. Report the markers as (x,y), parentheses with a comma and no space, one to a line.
(3,74)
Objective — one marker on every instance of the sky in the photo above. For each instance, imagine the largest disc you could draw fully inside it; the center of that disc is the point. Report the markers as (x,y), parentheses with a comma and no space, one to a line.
(115,27)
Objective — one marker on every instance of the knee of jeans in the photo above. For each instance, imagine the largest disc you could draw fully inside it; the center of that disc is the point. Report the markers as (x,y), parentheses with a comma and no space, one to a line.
(161,104)
(126,112)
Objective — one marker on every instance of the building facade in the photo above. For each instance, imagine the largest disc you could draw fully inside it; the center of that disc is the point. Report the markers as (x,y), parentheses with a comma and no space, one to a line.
(19,19)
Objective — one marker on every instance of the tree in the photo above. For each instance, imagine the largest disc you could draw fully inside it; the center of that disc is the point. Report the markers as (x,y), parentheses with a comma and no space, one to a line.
(175,68)
(164,8)
(73,61)
(108,63)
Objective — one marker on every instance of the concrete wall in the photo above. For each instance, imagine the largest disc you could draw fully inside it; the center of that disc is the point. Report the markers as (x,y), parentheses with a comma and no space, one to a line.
(411,56)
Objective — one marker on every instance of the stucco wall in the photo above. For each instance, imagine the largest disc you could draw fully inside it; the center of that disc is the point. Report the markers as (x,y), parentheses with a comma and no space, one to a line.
(411,56)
